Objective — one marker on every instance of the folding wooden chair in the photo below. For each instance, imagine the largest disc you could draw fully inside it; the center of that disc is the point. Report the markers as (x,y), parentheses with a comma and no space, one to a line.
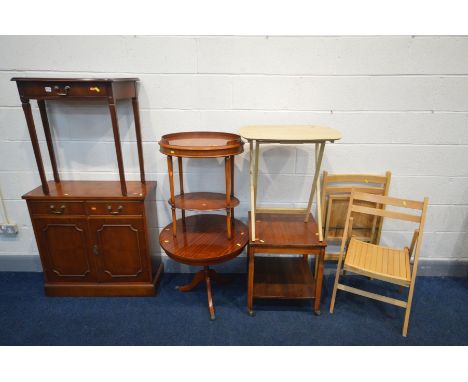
(393,265)
(336,189)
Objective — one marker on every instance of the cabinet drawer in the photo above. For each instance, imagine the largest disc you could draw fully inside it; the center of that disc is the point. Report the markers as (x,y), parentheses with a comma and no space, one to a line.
(62,89)
(56,208)
(114,208)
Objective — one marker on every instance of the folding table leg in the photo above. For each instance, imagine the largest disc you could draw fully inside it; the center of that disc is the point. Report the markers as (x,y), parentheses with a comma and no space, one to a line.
(318,197)
(314,182)
(252,189)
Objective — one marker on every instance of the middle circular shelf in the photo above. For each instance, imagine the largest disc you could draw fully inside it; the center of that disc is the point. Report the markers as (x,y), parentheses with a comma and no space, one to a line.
(203,201)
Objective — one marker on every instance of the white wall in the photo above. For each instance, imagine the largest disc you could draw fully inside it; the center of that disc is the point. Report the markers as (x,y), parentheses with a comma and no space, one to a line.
(400,102)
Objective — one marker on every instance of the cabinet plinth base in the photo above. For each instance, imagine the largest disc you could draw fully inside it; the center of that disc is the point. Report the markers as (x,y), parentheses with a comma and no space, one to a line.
(104,290)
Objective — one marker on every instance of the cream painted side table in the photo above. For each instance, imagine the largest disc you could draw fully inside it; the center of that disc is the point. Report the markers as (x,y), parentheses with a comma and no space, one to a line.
(284,230)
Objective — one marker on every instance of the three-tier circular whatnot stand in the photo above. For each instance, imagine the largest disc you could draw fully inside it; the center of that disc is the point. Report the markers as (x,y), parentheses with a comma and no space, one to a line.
(203,239)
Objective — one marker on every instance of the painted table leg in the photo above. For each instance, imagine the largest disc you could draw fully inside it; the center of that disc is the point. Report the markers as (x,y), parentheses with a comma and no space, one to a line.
(252,190)
(314,182)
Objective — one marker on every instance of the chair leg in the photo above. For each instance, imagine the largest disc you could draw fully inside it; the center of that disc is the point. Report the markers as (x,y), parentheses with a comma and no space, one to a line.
(335,287)
(408,310)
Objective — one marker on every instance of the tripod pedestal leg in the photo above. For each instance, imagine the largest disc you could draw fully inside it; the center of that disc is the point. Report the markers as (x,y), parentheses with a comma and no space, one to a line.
(206,275)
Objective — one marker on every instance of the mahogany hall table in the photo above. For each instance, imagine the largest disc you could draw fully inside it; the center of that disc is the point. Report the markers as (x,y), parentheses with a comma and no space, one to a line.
(203,239)
(92,235)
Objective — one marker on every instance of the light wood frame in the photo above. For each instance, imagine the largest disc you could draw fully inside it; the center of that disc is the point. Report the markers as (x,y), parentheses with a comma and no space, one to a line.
(415,246)
(315,188)
(337,187)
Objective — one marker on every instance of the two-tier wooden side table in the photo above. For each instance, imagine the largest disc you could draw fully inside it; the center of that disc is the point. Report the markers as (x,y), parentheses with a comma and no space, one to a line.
(203,239)
(288,277)
(285,230)
(92,236)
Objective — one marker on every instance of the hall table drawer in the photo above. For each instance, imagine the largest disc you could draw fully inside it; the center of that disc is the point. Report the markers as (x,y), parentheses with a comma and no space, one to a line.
(116,208)
(62,89)
(57,207)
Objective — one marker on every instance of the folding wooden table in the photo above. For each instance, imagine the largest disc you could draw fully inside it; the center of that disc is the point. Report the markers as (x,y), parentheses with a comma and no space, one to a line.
(284,230)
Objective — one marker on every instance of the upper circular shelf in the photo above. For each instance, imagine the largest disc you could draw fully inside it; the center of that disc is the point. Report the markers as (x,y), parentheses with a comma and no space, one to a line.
(290,133)
(203,144)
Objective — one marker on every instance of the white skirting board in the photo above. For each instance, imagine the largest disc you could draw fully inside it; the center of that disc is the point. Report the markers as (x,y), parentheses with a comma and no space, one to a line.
(427,267)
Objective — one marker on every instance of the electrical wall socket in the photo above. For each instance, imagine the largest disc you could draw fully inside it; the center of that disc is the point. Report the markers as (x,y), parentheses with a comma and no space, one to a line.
(8,229)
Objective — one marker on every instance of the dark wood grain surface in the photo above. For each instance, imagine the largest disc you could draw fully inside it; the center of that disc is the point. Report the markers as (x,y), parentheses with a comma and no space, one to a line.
(49,79)
(76,189)
(204,201)
(202,240)
(283,278)
(204,144)
(285,231)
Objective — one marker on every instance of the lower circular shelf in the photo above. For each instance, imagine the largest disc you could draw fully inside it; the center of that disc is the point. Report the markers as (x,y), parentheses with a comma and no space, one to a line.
(201,240)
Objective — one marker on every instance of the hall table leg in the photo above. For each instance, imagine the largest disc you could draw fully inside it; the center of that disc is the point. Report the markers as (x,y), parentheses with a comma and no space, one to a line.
(118,146)
(35,144)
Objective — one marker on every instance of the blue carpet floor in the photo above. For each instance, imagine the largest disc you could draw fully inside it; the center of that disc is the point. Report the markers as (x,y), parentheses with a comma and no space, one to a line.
(27,317)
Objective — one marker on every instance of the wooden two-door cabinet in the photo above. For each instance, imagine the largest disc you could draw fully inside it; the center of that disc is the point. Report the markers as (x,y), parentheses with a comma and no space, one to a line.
(93,241)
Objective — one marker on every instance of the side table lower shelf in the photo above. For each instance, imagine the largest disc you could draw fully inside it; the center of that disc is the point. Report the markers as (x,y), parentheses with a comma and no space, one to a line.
(283,278)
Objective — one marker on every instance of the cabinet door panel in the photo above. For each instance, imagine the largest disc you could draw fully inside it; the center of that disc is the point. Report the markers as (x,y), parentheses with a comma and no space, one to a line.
(63,246)
(120,249)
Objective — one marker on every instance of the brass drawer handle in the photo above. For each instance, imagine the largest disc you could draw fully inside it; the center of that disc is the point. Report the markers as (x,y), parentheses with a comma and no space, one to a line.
(58,211)
(65,90)
(95,250)
(119,210)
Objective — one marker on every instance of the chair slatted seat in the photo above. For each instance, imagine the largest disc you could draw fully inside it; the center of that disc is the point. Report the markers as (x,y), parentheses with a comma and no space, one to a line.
(383,263)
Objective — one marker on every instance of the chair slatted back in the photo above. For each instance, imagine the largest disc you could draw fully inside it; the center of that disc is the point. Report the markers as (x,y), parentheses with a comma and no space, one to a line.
(418,215)
(336,191)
